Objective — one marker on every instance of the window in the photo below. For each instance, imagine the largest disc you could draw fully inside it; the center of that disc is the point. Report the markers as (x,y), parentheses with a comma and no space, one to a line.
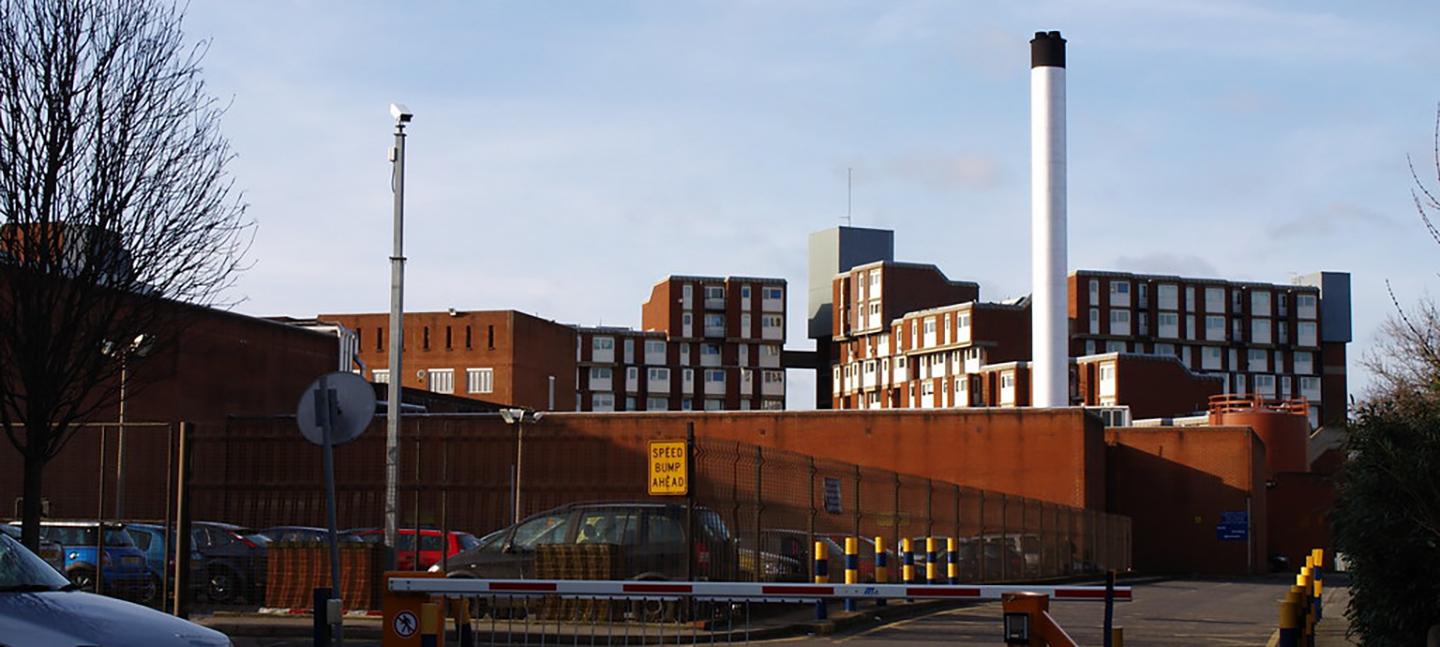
(1107,380)
(602,402)
(744,324)
(1168,295)
(774,293)
(380,376)
(774,377)
(1211,358)
(1215,300)
(930,326)
(1259,307)
(549,529)
(1094,291)
(714,292)
(629,403)
(685,352)
(1259,331)
(1094,321)
(479,380)
(1165,350)
(1190,327)
(657,404)
(1265,384)
(1114,346)
(599,372)
(715,376)
(1089,347)
(1305,306)
(686,404)
(1214,328)
(658,375)
(1190,298)
(1305,333)
(1142,294)
(654,346)
(745,291)
(1304,362)
(1119,321)
(629,350)
(632,373)
(686,319)
(772,321)
(771,404)
(687,375)
(1120,288)
(712,404)
(1168,324)
(710,350)
(604,343)
(1310,388)
(1007,380)
(1255,360)
(769,350)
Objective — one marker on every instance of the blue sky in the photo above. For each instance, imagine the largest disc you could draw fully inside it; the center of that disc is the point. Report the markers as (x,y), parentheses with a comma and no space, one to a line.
(567,155)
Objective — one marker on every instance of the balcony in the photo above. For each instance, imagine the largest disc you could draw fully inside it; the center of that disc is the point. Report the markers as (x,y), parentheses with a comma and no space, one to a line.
(774,333)
(712,330)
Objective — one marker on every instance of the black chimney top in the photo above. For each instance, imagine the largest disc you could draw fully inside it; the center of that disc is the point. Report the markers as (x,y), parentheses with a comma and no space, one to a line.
(1047,49)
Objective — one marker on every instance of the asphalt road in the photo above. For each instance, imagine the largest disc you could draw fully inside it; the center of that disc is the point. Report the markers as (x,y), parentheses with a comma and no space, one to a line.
(1166,613)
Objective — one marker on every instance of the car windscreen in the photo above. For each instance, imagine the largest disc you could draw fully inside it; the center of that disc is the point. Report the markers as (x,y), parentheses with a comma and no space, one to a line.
(85,536)
(467,540)
(20,569)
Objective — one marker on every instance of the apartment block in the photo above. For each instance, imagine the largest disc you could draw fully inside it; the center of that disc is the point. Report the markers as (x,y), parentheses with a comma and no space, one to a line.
(905,336)
(501,356)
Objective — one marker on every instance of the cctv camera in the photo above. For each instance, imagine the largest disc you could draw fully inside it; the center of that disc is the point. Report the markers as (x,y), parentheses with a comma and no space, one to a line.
(401,113)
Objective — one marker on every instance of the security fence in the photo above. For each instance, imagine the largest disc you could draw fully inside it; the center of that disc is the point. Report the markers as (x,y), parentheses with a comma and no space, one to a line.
(255,501)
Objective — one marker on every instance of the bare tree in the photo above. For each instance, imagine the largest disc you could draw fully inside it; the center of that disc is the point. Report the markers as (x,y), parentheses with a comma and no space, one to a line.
(117,208)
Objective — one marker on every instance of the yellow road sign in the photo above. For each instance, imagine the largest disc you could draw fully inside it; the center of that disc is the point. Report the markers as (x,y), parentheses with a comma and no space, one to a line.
(669,468)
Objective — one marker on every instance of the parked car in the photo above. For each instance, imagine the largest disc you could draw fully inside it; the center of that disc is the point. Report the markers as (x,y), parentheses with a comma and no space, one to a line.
(430,545)
(49,550)
(234,561)
(159,558)
(652,538)
(306,534)
(39,606)
(121,565)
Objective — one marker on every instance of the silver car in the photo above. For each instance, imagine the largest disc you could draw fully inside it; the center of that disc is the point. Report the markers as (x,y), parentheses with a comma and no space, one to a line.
(39,606)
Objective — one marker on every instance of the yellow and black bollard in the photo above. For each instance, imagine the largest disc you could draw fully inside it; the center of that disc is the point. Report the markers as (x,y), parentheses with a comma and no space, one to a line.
(430,625)
(932,569)
(882,567)
(1289,624)
(952,560)
(822,576)
(852,567)
(907,560)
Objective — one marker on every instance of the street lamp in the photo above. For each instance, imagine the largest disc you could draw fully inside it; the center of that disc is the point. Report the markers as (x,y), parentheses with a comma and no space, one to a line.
(519,417)
(402,116)
(138,347)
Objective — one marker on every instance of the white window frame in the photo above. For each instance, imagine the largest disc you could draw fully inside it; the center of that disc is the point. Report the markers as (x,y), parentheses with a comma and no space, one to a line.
(480,380)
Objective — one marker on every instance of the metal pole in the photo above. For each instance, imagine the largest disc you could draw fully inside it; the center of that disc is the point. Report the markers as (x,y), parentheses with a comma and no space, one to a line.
(1109,606)
(182,520)
(166,582)
(689,495)
(444,502)
(519,458)
(397,333)
(326,409)
(120,444)
(100,520)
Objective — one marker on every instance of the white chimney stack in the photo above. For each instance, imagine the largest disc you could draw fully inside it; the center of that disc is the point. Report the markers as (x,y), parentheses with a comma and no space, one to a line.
(1050,335)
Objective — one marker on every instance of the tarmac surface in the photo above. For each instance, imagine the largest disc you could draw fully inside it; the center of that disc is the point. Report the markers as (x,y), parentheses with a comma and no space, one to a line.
(1219,612)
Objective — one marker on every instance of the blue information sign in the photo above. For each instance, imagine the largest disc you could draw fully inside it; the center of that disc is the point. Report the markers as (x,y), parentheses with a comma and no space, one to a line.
(832,495)
(1233,526)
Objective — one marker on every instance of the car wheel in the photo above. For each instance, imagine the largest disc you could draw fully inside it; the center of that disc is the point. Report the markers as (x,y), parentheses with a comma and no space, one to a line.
(222,587)
(150,593)
(83,579)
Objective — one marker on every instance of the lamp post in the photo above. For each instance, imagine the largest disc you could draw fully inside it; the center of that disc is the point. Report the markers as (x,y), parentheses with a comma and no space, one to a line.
(138,347)
(402,116)
(519,417)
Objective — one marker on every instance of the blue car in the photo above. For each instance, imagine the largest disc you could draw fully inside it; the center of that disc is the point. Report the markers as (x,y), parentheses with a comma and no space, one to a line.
(122,565)
(40,607)
(150,539)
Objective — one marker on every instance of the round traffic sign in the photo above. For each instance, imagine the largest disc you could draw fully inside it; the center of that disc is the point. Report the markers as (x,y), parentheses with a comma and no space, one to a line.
(405,624)
(352,407)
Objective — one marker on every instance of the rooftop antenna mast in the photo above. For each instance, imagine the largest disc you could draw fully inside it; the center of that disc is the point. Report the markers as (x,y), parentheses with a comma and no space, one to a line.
(849,194)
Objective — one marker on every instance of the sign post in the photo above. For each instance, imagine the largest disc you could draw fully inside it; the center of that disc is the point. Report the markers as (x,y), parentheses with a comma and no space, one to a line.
(335,409)
(669,468)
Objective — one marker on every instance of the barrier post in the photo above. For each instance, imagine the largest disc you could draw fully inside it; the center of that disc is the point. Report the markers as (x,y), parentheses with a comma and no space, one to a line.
(822,576)
(1289,627)
(430,625)
(907,560)
(852,567)
(321,628)
(932,570)
(463,631)
(952,560)
(401,611)
(882,567)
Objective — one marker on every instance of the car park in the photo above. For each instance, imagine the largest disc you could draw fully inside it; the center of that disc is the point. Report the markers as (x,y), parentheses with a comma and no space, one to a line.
(307,534)
(49,550)
(652,538)
(39,606)
(431,543)
(159,558)
(234,561)
(120,567)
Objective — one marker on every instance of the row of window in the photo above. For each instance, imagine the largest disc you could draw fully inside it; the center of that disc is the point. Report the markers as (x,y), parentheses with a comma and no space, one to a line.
(654,375)
(1168,326)
(602,350)
(715,292)
(442,380)
(425,338)
(606,402)
(1168,298)
(1213,358)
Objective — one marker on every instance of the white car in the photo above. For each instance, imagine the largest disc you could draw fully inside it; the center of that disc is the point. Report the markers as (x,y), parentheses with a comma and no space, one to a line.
(40,608)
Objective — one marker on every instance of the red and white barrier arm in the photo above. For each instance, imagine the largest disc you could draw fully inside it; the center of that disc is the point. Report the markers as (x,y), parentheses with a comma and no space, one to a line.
(466,587)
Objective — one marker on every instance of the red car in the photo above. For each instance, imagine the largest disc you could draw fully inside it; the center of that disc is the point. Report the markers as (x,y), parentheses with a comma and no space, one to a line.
(430,545)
